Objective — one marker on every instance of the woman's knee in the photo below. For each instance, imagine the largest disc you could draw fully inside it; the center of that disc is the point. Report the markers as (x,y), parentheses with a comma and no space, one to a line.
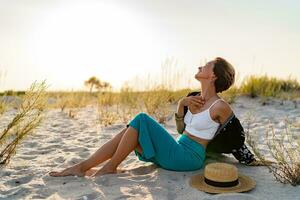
(143,114)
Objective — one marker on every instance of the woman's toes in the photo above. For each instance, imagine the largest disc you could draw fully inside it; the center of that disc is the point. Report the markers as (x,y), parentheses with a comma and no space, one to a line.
(90,172)
(66,172)
(120,171)
(54,173)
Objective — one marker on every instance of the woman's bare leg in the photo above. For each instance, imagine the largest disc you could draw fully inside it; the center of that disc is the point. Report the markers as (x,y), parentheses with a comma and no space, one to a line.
(127,144)
(102,154)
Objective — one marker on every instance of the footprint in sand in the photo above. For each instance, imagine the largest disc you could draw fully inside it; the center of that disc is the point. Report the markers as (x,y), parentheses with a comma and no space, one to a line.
(27,157)
(76,149)
(73,161)
(143,170)
(40,152)
(19,181)
(31,144)
(16,192)
(60,159)
(105,136)
(50,146)
(84,155)
(56,140)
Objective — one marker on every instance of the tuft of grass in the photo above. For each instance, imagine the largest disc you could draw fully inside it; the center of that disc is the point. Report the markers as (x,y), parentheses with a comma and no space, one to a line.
(3,105)
(107,115)
(268,86)
(29,116)
(121,106)
(129,97)
(130,103)
(70,102)
(108,99)
(157,104)
(284,150)
(230,94)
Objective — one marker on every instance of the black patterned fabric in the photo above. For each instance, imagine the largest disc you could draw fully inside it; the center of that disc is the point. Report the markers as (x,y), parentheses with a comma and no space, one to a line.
(229,136)
(243,155)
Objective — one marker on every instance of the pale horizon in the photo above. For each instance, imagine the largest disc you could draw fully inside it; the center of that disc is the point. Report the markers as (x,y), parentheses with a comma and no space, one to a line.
(66,42)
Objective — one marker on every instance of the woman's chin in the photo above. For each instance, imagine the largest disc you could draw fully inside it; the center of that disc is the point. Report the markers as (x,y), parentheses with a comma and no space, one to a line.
(198,78)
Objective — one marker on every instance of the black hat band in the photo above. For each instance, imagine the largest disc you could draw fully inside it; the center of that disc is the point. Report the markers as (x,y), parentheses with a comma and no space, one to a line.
(221,184)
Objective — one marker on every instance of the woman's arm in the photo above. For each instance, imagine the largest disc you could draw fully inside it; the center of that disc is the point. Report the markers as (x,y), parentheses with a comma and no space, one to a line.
(179,116)
(189,100)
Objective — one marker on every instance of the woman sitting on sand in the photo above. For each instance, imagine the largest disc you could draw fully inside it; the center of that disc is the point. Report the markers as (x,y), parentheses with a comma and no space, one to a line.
(152,143)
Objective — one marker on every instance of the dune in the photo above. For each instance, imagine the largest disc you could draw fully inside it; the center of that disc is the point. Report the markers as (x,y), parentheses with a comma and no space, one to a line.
(61,141)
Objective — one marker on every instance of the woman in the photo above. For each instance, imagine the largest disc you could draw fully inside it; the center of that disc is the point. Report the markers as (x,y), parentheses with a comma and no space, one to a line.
(152,143)
(229,138)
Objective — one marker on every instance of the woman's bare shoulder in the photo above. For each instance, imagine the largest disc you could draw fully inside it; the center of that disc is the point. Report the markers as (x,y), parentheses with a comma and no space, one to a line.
(221,110)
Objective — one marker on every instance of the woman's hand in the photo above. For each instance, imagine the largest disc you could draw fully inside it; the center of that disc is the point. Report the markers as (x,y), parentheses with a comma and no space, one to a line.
(192,101)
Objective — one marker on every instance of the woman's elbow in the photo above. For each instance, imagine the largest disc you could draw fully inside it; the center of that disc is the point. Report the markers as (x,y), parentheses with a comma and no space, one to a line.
(180,130)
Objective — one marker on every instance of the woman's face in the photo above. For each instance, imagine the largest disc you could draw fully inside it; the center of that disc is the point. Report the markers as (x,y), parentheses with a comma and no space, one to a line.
(206,71)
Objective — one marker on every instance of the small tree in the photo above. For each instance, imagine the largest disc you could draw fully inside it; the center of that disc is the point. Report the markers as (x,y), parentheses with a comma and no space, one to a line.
(103,86)
(91,82)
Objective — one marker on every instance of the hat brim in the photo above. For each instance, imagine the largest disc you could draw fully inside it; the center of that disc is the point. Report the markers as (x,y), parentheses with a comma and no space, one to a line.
(245,184)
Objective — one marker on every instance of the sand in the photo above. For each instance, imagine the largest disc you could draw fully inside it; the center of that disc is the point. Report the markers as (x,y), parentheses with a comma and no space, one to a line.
(61,141)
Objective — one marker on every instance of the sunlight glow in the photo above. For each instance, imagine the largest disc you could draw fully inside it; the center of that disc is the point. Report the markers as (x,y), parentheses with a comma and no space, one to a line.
(87,40)
(68,41)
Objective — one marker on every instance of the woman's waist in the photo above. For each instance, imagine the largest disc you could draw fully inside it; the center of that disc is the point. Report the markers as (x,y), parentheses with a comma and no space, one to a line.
(202,141)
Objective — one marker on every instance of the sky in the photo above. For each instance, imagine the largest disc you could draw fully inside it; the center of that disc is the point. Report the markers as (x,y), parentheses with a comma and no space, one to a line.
(67,41)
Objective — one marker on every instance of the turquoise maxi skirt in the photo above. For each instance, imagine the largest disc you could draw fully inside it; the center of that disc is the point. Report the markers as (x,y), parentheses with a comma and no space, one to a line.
(159,147)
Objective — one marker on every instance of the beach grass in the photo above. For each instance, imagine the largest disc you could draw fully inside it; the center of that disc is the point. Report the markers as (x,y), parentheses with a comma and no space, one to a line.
(29,116)
(231,94)
(253,86)
(284,149)
(122,105)
(157,103)
(3,105)
(266,86)
(157,99)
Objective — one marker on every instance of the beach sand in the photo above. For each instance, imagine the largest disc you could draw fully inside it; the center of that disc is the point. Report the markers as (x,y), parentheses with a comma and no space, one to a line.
(61,141)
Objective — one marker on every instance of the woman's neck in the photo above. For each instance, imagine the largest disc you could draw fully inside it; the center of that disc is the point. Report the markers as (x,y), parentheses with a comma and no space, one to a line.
(207,92)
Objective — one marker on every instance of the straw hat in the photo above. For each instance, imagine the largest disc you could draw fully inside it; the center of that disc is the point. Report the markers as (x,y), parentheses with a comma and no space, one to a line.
(221,178)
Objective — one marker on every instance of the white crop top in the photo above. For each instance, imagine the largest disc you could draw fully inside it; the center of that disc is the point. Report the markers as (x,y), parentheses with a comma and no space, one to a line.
(201,124)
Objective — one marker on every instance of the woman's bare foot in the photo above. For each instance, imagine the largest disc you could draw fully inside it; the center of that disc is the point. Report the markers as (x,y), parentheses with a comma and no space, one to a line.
(91,172)
(71,171)
(106,170)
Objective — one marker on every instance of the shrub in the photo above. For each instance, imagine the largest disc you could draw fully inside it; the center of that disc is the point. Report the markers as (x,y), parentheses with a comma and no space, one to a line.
(157,104)
(267,86)
(230,94)
(27,119)
(284,150)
